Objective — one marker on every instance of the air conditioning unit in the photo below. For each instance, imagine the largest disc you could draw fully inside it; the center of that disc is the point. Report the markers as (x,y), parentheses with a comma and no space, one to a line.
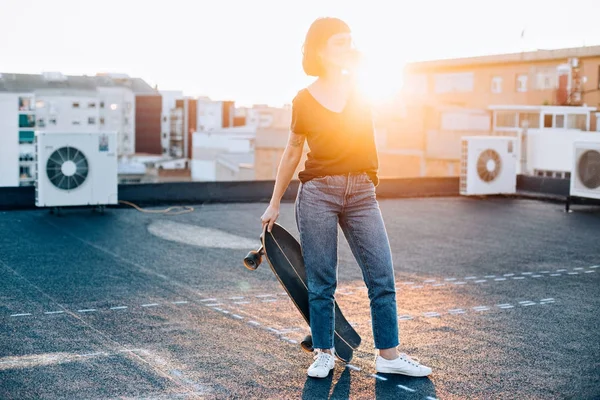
(585,175)
(488,165)
(75,169)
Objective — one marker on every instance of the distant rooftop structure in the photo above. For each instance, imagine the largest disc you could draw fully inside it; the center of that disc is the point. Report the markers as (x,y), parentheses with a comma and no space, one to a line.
(11,82)
(527,56)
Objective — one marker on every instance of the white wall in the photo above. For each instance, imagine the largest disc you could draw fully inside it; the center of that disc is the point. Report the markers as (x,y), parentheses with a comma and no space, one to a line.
(204,170)
(9,139)
(119,115)
(233,143)
(210,115)
(67,113)
(552,149)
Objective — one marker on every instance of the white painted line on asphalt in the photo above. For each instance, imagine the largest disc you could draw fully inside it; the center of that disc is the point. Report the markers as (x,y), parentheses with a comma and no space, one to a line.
(544,272)
(507,306)
(528,304)
(408,283)
(241,302)
(525,301)
(508,275)
(225,311)
(471,277)
(589,272)
(54,312)
(354,367)
(577,269)
(404,317)
(481,308)
(456,311)
(518,277)
(526,273)
(268,300)
(212,299)
(292,341)
(87,310)
(407,388)
(480,280)
(500,279)
(150,305)
(555,274)
(236,297)
(180,302)
(450,279)
(548,299)
(490,276)
(573,273)
(214,305)
(90,354)
(283,294)
(237,316)
(429,281)
(379,377)
(264,295)
(536,276)
(217,309)
(253,323)
(118,308)
(431,314)
(503,304)
(595,266)
(431,398)
(560,270)
(438,284)
(20,315)
(459,283)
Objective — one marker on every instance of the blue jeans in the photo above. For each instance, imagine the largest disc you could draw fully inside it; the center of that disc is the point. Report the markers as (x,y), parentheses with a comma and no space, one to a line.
(350,201)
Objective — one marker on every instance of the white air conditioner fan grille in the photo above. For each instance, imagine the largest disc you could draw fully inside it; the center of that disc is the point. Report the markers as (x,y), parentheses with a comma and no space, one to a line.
(67,168)
(588,169)
(489,165)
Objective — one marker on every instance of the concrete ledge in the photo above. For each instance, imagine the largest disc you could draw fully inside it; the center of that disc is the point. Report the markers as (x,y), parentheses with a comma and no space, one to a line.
(174,193)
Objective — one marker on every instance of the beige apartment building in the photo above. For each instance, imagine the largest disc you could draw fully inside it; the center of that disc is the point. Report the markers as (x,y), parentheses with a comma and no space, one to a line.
(443,100)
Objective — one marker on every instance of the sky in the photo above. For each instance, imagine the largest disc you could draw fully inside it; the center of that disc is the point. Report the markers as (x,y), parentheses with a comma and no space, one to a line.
(249,51)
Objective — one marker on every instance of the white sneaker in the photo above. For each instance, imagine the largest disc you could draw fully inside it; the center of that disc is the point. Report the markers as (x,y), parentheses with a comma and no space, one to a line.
(324,362)
(403,365)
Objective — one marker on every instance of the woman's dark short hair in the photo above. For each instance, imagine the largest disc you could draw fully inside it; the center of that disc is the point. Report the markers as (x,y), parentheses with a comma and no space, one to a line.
(316,38)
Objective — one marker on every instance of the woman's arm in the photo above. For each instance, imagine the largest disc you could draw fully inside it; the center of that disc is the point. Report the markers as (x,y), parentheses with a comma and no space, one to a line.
(285,172)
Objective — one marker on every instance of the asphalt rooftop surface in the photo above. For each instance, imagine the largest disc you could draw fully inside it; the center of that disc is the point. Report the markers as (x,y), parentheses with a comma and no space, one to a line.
(500,297)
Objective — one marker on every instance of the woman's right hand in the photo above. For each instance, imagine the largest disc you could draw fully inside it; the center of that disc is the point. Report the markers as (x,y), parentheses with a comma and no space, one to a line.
(270,216)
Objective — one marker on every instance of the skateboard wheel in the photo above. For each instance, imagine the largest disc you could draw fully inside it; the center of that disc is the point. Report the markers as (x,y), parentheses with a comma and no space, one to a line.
(307,344)
(252,260)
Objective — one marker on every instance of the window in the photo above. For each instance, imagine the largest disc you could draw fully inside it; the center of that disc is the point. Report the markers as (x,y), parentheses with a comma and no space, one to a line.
(575,121)
(101,120)
(75,104)
(559,121)
(92,104)
(26,136)
(506,119)
(41,123)
(26,121)
(39,104)
(76,123)
(91,120)
(521,83)
(532,120)
(497,84)
(52,120)
(26,104)
(547,120)
(101,104)
(453,82)
(547,80)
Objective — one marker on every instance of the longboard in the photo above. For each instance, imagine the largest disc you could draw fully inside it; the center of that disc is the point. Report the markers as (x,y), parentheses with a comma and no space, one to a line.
(284,254)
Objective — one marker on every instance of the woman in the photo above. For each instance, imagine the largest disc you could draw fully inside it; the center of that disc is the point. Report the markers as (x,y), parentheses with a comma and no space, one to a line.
(338,187)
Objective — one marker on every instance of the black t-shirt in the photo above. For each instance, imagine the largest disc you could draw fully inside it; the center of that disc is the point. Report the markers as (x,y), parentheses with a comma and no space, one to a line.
(339,142)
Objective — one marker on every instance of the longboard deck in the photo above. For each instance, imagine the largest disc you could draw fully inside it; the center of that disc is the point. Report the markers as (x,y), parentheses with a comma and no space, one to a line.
(284,255)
